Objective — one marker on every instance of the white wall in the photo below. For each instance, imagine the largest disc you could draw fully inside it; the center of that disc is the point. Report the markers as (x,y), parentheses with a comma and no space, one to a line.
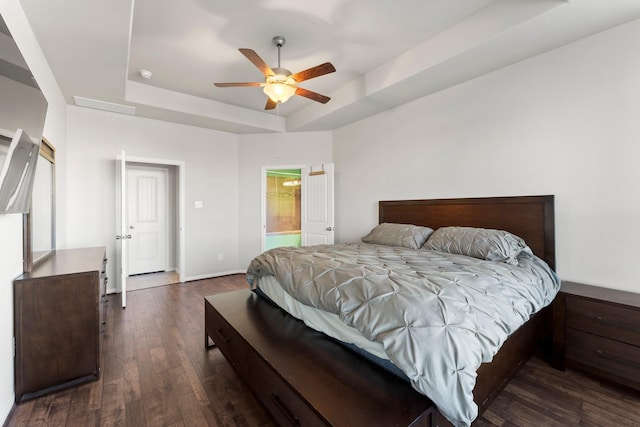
(563,123)
(11,225)
(10,268)
(211,164)
(258,150)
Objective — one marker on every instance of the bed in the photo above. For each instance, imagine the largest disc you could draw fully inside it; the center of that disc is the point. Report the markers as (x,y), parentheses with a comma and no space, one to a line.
(530,217)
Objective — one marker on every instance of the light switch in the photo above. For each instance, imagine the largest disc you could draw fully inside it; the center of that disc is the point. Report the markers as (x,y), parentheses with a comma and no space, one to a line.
(198,204)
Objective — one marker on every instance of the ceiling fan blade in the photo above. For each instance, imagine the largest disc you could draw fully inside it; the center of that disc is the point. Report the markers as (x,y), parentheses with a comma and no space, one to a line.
(257,61)
(271,104)
(317,71)
(312,95)
(245,84)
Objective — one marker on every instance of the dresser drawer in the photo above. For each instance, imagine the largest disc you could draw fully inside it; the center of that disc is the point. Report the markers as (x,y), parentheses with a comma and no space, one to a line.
(607,320)
(614,357)
(230,343)
(283,403)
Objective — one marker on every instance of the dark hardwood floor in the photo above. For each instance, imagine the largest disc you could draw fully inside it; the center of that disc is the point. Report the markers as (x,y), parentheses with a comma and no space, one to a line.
(156,372)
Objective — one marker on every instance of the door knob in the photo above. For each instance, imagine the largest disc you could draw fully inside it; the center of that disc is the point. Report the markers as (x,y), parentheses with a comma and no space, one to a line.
(131,227)
(329,228)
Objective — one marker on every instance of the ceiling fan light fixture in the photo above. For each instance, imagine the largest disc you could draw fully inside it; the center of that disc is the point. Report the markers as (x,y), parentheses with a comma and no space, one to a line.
(279,84)
(279,88)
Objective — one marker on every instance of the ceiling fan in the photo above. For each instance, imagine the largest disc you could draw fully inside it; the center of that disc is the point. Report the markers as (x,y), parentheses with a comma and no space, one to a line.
(279,84)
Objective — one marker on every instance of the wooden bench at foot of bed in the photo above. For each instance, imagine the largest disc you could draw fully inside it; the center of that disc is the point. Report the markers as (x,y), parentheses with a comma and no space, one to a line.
(303,378)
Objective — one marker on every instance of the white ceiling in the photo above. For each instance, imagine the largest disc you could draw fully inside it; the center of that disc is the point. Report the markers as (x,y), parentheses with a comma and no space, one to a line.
(386,52)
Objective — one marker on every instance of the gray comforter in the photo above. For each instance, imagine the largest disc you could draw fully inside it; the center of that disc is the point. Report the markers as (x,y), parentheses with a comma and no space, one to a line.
(437,315)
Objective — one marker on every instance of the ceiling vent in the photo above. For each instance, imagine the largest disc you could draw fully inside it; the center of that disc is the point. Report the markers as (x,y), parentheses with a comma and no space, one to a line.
(104,105)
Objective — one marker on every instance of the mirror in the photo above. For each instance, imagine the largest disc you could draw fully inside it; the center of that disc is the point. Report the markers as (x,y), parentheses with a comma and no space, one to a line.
(24,106)
(39,224)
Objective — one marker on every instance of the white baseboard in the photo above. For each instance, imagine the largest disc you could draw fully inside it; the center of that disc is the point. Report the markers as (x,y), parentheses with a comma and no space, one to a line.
(5,410)
(210,276)
(192,278)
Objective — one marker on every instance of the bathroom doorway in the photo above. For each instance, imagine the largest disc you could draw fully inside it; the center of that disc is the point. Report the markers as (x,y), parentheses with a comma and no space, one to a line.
(282,208)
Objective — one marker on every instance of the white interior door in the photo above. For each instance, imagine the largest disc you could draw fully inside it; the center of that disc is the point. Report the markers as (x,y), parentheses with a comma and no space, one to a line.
(317,205)
(121,224)
(147,219)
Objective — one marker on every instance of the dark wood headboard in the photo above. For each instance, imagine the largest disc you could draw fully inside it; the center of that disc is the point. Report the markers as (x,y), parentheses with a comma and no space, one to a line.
(529,217)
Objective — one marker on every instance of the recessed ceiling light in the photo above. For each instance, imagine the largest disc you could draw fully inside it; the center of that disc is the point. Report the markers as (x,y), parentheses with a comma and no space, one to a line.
(146,74)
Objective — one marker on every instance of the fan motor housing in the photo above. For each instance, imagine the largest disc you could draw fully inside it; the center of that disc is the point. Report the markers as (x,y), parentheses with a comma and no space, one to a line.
(281,72)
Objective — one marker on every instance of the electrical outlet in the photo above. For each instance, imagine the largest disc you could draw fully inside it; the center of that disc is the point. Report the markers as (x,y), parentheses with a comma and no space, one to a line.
(198,204)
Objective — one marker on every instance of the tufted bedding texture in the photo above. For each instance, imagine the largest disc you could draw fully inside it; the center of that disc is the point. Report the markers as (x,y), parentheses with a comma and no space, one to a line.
(437,315)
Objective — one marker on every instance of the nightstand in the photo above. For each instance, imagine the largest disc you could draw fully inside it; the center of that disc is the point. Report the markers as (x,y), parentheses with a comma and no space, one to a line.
(597,330)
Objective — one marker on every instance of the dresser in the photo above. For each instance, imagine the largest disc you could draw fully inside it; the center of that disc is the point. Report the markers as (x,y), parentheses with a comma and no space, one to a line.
(59,318)
(303,378)
(597,330)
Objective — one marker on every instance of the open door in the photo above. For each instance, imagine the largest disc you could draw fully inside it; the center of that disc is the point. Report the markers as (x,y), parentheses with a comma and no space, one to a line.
(317,205)
(147,212)
(121,226)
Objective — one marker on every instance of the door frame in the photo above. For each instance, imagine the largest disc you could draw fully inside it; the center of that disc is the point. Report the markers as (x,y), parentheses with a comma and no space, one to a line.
(180,198)
(263,197)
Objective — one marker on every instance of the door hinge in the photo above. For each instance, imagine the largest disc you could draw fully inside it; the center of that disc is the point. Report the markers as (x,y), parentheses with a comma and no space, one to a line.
(13,346)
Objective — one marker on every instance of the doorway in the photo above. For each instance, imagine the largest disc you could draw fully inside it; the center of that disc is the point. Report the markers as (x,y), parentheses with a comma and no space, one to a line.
(148,218)
(282,208)
(175,202)
(297,206)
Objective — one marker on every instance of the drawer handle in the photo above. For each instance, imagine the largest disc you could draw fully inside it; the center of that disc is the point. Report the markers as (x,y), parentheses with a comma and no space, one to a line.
(621,325)
(293,420)
(224,338)
(610,356)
